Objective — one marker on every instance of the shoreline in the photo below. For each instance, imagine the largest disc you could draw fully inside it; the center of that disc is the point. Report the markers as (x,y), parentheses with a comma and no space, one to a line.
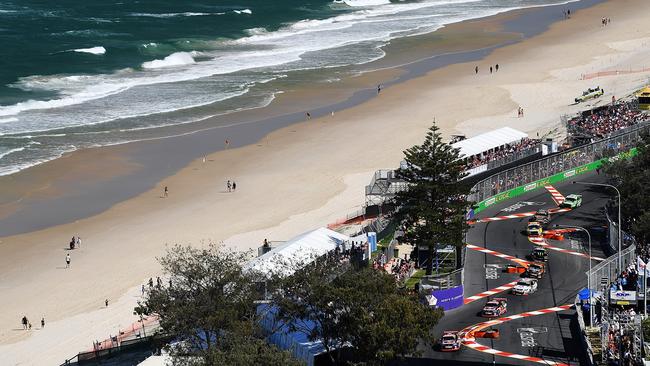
(297,178)
(139,171)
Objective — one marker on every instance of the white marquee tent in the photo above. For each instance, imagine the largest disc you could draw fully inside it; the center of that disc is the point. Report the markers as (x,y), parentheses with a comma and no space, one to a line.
(297,252)
(488,141)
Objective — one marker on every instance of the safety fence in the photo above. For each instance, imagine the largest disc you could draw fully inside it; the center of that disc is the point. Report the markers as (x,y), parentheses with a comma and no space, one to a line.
(521,179)
(592,350)
(514,156)
(604,273)
(612,73)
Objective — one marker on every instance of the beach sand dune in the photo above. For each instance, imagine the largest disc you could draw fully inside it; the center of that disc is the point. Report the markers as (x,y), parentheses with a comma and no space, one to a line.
(298,178)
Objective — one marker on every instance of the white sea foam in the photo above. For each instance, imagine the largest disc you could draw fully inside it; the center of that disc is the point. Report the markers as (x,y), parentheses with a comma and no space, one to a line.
(7,120)
(175,59)
(99,50)
(363,3)
(173,15)
(303,45)
(11,151)
(244,11)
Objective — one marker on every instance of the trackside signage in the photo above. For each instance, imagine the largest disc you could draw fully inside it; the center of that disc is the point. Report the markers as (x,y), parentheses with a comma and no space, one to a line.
(530,187)
(550,180)
(447,299)
(619,297)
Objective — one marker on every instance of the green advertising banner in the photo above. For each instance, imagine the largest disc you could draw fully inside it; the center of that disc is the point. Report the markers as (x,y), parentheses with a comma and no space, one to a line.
(518,191)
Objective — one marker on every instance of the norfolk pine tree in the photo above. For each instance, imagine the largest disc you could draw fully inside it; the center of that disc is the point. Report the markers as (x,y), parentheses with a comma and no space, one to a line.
(434,205)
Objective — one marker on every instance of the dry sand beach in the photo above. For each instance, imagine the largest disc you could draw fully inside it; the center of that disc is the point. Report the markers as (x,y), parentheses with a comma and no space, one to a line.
(293,180)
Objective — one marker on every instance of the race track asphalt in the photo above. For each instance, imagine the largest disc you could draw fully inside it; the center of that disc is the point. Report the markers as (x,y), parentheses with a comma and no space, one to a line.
(557,337)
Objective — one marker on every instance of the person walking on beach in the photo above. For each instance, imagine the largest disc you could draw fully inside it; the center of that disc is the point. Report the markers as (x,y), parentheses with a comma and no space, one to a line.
(229,186)
(378,88)
(106,302)
(150,282)
(42,322)
(67,260)
(79,242)
(490,69)
(142,290)
(497,67)
(308,115)
(476,69)
(166,192)
(25,322)
(234,186)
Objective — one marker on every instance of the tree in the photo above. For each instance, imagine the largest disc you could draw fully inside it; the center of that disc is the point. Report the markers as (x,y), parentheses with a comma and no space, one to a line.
(360,309)
(632,178)
(209,307)
(433,207)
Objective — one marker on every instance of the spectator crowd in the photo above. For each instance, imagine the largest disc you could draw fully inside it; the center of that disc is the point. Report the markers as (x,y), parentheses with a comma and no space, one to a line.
(501,153)
(400,268)
(601,122)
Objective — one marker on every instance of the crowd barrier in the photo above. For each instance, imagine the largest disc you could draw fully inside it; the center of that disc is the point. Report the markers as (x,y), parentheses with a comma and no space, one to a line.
(554,168)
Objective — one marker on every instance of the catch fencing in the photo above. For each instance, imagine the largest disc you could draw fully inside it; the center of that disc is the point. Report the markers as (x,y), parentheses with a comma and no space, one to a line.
(547,167)
(604,273)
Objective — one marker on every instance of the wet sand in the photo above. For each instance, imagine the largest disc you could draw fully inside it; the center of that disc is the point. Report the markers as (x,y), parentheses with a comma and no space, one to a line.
(296,178)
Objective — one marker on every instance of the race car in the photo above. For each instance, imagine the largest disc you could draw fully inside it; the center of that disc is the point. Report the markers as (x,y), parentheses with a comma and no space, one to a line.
(525,286)
(553,234)
(535,270)
(449,342)
(542,216)
(534,229)
(495,307)
(539,254)
(572,201)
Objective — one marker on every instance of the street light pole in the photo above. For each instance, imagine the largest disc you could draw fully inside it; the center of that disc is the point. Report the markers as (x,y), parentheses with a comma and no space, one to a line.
(591,307)
(620,232)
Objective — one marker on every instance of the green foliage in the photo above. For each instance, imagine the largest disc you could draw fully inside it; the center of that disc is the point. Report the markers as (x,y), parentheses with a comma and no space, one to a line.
(415,278)
(360,308)
(209,305)
(246,351)
(632,178)
(434,207)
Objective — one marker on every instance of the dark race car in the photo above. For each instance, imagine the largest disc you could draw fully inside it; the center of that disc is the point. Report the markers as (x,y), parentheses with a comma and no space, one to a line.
(495,307)
(539,254)
(535,270)
(542,216)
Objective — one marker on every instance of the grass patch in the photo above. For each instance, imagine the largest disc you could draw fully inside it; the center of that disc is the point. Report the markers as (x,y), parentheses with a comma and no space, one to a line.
(385,241)
(417,276)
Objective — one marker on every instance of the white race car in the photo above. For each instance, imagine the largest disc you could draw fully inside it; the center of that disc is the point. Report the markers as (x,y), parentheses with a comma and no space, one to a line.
(525,286)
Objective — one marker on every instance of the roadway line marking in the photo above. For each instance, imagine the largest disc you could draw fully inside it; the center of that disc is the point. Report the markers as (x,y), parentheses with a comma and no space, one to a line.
(521,262)
(539,240)
(515,216)
(468,339)
(491,292)
(555,194)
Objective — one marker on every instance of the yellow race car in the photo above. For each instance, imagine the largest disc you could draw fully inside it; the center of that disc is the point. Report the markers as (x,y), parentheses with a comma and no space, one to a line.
(534,229)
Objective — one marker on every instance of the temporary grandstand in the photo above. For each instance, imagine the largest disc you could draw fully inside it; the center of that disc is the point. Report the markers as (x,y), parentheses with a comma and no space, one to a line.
(481,146)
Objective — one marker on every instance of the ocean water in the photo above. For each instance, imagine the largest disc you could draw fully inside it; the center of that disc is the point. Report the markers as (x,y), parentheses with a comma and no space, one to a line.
(77,74)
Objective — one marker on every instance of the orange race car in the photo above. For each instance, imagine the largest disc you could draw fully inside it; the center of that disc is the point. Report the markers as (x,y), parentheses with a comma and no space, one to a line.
(553,235)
